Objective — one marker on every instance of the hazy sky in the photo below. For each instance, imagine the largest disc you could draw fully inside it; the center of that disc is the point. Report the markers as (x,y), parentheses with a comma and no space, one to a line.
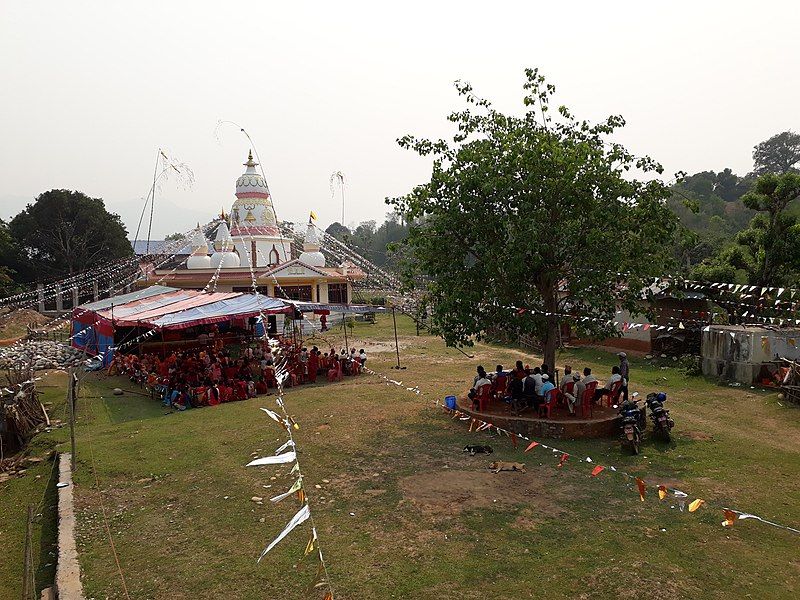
(90,90)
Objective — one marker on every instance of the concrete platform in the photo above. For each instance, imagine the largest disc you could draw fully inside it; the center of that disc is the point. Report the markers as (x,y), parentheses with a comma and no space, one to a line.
(561,425)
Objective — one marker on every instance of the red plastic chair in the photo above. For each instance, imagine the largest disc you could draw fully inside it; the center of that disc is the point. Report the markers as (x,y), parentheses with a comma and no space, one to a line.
(482,397)
(499,386)
(588,399)
(611,394)
(549,402)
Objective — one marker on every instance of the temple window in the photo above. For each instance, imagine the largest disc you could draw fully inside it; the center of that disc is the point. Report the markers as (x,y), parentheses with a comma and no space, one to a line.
(337,293)
(301,293)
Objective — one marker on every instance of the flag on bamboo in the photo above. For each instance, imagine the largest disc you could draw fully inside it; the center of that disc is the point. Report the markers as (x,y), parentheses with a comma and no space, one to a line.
(313,215)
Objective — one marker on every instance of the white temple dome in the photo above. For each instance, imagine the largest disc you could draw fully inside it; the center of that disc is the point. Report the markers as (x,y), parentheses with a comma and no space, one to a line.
(228,260)
(199,258)
(311,248)
(224,249)
(252,213)
(223,239)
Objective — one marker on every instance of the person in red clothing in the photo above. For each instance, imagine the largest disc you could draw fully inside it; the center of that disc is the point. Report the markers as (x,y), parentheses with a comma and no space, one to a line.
(313,364)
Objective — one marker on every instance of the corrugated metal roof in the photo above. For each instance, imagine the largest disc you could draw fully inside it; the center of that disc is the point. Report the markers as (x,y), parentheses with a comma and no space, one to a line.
(153,290)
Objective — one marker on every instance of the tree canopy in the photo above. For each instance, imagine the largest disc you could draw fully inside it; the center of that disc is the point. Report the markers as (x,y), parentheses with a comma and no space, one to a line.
(530,218)
(768,251)
(778,154)
(64,232)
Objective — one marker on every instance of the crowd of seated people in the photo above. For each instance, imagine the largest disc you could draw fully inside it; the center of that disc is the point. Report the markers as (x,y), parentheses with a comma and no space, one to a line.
(538,389)
(207,377)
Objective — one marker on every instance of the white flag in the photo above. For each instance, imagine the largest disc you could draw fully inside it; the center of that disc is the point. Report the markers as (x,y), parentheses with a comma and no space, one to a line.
(291,491)
(273,460)
(302,514)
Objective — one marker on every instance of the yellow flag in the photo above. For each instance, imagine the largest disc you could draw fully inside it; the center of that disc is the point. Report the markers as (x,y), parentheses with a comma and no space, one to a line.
(309,547)
(313,216)
(662,492)
(695,504)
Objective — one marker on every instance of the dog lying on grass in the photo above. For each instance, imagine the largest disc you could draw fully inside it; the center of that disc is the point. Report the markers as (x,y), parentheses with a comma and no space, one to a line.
(473,449)
(500,465)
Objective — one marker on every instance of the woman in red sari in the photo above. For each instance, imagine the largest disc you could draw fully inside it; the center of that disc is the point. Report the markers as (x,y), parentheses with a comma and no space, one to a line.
(313,364)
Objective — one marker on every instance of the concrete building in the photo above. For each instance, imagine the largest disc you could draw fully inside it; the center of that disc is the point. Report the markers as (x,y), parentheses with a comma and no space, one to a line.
(253,246)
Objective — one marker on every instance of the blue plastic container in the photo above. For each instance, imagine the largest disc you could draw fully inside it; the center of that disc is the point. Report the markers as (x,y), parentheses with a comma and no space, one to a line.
(450,402)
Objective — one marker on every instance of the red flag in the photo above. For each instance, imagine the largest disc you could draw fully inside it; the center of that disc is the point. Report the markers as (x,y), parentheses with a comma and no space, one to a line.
(597,470)
(563,459)
(642,488)
(521,310)
(532,446)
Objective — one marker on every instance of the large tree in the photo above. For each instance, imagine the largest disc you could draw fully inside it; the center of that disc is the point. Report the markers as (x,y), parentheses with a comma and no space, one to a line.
(778,154)
(768,251)
(65,232)
(534,220)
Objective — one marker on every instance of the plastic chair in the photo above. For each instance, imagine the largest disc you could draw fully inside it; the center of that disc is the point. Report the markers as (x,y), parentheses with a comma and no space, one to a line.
(549,402)
(499,386)
(612,394)
(588,399)
(482,397)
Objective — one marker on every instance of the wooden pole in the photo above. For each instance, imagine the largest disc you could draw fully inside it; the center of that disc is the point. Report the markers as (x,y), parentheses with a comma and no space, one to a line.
(71,409)
(28,585)
(396,344)
(344,326)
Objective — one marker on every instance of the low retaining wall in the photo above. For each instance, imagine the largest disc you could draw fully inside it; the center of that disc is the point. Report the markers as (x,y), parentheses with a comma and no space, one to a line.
(559,429)
(68,571)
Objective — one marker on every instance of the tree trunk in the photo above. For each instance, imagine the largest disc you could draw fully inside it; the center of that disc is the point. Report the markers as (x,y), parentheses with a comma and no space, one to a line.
(550,340)
(550,343)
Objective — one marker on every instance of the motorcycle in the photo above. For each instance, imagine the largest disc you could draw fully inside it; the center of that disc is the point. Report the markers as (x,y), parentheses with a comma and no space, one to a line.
(662,423)
(632,426)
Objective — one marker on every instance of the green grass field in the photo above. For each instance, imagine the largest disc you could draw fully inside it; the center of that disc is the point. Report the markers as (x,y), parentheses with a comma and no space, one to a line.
(402,512)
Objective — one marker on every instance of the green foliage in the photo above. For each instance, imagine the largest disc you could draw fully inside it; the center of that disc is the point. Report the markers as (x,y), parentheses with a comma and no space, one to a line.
(64,232)
(173,237)
(533,211)
(767,253)
(373,242)
(8,257)
(778,154)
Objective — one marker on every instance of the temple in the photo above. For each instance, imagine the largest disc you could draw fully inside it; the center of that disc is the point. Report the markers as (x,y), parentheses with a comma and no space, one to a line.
(248,243)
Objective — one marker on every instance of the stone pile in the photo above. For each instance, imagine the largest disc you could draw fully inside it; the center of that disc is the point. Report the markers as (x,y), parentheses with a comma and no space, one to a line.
(44,354)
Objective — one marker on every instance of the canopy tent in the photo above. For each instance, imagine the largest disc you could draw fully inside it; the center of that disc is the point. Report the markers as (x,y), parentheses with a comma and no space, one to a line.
(158,307)
(94,324)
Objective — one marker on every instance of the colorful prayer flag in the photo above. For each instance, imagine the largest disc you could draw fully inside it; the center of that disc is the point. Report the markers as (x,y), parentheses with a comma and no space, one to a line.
(730,518)
(301,515)
(563,459)
(662,492)
(597,470)
(695,504)
(642,488)
(531,446)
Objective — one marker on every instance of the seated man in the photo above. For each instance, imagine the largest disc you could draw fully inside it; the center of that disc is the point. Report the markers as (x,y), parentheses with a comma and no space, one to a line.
(481,375)
(515,391)
(546,386)
(577,390)
(606,389)
(478,384)
(529,391)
